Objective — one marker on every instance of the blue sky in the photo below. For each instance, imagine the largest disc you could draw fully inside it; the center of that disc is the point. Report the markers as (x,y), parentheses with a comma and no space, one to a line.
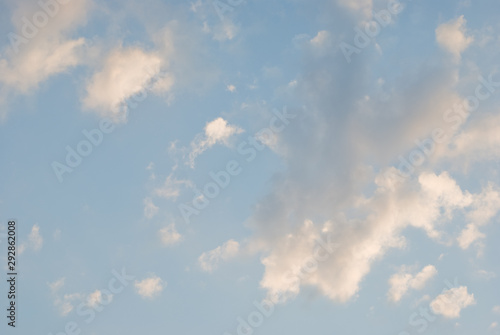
(251,167)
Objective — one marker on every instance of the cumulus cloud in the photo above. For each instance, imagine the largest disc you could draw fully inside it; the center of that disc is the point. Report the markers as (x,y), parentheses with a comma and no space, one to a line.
(451,302)
(395,205)
(169,235)
(339,168)
(295,261)
(150,287)
(217,131)
(210,260)
(401,282)
(452,36)
(150,209)
(125,72)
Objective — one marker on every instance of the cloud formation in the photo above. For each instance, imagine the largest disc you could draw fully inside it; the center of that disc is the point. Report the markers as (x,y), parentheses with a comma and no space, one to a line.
(451,302)
(210,260)
(150,288)
(402,281)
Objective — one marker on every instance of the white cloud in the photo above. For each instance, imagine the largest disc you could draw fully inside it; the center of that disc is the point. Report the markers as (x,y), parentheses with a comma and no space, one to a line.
(496,309)
(452,36)
(150,209)
(401,282)
(47,52)
(321,43)
(484,207)
(292,261)
(35,240)
(57,285)
(169,235)
(486,275)
(171,188)
(63,303)
(396,204)
(150,287)
(96,298)
(125,72)
(217,131)
(478,141)
(451,302)
(210,260)
(469,235)
(493,325)
(66,303)
(231,88)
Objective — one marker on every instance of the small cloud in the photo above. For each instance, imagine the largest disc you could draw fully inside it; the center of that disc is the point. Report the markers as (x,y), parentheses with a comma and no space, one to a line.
(95,298)
(494,325)
(57,234)
(171,188)
(150,287)
(35,240)
(403,281)
(322,41)
(231,88)
(496,309)
(469,235)
(67,303)
(451,302)
(217,131)
(57,285)
(169,235)
(150,210)
(209,260)
(487,275)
